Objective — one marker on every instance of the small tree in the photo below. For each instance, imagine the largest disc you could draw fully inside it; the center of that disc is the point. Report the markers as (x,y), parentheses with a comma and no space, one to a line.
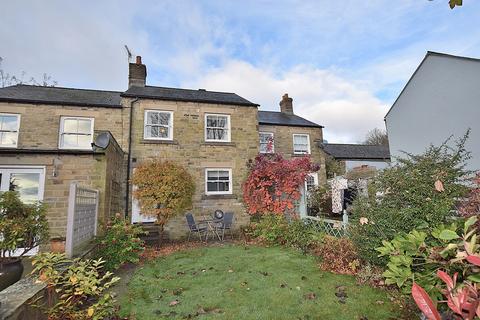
(21,225)
(164,190)
(273,184)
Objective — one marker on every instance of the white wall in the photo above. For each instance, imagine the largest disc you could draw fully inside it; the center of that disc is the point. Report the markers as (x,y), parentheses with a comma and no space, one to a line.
(442,99)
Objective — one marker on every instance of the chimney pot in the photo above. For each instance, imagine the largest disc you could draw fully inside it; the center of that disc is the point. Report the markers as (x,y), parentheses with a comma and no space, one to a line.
(286,104)
(139,60)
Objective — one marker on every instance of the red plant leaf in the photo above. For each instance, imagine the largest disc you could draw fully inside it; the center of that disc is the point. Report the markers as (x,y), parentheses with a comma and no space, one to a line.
(474,260)
(447,279)
(424,303)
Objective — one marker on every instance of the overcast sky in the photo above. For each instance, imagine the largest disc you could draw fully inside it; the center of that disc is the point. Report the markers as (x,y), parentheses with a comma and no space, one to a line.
(344,62)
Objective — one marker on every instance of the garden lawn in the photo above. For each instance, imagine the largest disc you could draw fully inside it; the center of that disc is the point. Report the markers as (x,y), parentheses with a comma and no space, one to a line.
(236,282)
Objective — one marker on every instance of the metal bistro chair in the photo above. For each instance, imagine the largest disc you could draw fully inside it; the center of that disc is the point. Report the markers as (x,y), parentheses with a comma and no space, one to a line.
(193,227)
(226,224)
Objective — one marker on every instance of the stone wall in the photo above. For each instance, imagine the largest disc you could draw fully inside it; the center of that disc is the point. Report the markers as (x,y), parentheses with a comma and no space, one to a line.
(87,170)
(40,123)
(283,144)
(190,150)
(104,170)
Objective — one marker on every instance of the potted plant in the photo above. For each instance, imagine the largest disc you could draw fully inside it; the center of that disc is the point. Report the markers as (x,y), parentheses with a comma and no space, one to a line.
(57,244)
(22,228)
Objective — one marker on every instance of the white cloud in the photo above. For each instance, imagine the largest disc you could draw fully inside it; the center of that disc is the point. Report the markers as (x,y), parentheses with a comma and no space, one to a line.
(346,109)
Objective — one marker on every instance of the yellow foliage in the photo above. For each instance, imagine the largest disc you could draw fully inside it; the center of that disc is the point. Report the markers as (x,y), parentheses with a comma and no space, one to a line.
(163,189)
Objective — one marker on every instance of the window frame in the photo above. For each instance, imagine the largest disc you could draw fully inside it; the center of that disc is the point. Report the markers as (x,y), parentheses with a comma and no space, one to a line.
(273,141)
(61,132)
(229,127)
(314,175)
(18,116)
(308,143)
(230,182)
(170,125)
(6,171)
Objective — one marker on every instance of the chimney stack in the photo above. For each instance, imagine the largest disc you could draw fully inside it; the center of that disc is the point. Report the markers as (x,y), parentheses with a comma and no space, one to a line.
(286,105)
(137,73)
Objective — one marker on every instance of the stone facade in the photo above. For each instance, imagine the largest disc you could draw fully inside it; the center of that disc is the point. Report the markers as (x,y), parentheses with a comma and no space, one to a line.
(189,149)
(283,143)
(38,147)
(40,123)
(117,113)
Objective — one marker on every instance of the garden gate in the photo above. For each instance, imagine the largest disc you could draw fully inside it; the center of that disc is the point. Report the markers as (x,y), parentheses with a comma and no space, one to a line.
(82,217)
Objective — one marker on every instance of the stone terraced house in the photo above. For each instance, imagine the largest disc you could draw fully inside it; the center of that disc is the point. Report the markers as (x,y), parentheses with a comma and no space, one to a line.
(46,136)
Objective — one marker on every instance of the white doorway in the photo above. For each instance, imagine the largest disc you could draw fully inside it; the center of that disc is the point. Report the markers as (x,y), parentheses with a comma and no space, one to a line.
(137,216)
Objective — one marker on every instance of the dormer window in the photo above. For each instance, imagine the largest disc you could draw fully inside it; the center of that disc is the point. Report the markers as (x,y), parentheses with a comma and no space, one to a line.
(76,133)
(217,128)
(9,126)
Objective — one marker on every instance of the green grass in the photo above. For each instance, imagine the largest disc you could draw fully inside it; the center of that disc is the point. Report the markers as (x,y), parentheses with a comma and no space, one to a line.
(233,282)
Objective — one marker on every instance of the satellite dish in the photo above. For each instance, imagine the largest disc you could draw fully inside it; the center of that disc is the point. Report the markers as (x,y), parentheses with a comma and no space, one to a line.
(102,140)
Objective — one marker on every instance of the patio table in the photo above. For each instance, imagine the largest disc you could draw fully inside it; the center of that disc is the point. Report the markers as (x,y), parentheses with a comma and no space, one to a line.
(212,227)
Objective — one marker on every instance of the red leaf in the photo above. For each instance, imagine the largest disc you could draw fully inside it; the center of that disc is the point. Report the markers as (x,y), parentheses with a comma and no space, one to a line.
(447,279)
(474,260)
(424,303)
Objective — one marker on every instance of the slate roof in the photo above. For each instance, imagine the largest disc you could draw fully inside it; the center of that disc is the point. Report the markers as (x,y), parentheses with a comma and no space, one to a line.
(356,151)
(282,119)
(59,95)
(176,94)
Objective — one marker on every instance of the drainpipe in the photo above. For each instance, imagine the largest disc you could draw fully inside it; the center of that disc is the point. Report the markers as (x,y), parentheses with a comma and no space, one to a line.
(127,197)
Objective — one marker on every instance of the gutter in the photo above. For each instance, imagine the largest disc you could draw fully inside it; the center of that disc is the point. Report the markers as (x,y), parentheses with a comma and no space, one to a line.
(127,195)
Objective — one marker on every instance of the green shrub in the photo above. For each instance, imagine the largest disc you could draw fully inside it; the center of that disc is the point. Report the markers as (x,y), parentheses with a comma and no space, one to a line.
(271,229)
(21,225)
(276,230)
(301,236)
(417,256)
(417,192)
(76,289)
(119,244)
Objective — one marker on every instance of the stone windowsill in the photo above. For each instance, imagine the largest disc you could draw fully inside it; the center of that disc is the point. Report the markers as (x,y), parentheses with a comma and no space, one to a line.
(301,155)
(148,141)
(218,196)
(223,144)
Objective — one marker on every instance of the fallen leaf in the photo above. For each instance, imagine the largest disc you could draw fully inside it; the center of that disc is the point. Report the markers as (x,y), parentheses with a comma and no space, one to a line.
(174,303)
(310,296)
(90,311)
(439,186)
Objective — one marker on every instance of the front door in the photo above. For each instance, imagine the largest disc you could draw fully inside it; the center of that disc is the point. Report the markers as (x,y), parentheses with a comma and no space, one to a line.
(311,181)
(137,216)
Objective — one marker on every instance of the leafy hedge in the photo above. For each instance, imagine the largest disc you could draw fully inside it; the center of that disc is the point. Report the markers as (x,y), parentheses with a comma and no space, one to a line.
(417,192)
